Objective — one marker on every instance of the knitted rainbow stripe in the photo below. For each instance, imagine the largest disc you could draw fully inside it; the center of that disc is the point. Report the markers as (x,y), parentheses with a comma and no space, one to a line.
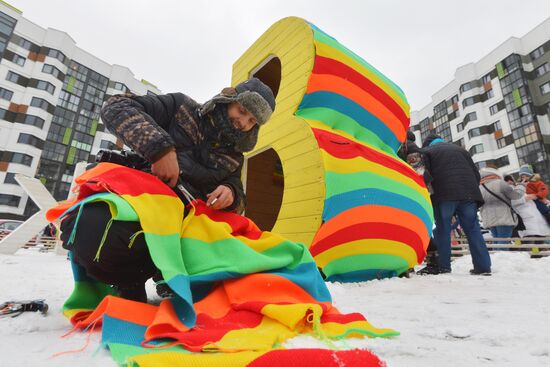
(377,214)
(240,292)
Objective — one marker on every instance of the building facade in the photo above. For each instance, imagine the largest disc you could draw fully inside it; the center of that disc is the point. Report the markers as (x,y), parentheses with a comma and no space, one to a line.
(51,93)
(499,107)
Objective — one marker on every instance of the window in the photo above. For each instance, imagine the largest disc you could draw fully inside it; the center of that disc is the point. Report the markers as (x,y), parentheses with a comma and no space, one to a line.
(474,132)
(460,127)
(16,78)
(30,140)
(468,102)
(50,69)
(493,109)
(466,86)
(105,144)
(541,70)
(478,148)
(47,86)
(21,158)
(7,24)
(10,178)
(6,94)
(501,143)
(40,103)
(497,126)
(9,200)
(454,99)
(502,161)
(26,44)
(34,121)
(486,78)
(56,54)
(537,53)
(120,87)
(16,59)
(490,93)
(470,117)
(69,101)
(545,88)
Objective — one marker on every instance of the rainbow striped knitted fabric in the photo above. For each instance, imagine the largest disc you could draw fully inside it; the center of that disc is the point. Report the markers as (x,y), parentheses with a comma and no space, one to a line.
(240,292)
(377,217)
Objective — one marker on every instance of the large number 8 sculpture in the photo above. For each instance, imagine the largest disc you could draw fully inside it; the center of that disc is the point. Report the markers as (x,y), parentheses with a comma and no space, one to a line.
(363,213)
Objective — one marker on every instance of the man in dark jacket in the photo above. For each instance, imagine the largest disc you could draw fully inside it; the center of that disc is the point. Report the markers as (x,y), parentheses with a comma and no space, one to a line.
(201,146)
(455,184)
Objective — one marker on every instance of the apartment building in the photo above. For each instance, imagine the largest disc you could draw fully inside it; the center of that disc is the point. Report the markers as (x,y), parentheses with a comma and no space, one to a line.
(51,93)
(498,108)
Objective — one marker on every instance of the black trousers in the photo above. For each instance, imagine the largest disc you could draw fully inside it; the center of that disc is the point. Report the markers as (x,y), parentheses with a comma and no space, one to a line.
(118,263)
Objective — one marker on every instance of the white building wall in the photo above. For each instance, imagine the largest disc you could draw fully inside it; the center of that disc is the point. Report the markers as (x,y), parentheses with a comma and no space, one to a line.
(475,71)
(9,131)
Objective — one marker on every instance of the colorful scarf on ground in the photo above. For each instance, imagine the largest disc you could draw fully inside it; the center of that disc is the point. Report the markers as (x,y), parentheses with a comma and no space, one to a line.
(239,292)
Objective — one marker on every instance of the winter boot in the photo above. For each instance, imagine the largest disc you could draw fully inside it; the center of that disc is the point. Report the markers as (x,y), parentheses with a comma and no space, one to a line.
(163,289)
(133,292)
(431,267)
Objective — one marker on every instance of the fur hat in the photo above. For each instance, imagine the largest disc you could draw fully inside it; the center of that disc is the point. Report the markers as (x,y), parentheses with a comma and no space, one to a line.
(525,170)
(488,171)
(252,94)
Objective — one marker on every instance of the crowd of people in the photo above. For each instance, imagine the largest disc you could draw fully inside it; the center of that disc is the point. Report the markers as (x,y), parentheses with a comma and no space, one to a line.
(459,190)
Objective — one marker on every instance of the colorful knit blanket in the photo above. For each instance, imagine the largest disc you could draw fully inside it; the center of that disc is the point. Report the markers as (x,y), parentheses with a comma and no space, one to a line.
(239,292)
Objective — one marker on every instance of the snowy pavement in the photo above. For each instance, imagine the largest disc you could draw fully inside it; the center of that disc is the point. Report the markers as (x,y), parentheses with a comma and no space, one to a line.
(447,320)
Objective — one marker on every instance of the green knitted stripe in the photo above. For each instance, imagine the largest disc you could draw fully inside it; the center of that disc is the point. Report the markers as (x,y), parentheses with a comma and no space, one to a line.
(231,255)
(368,261)
(339,183)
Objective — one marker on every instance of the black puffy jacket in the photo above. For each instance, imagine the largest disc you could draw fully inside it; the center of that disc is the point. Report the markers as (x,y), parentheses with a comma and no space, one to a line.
(152,125)
(453,172)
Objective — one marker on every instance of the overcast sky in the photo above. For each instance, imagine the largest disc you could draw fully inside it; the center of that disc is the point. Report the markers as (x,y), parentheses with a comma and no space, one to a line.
(190,46)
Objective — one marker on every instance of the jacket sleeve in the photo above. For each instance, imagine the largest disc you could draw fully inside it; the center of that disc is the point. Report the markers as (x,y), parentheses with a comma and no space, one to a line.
(512,193)
(141,122)
(542,190)
(428,176)
(473,167)
(207,179)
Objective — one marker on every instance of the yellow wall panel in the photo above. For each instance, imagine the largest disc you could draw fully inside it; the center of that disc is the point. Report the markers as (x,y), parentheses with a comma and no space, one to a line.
(300,208)
(303,224)
(291,40)
(304,192)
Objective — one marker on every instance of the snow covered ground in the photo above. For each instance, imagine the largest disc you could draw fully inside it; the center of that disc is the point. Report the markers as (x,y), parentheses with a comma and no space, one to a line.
(448,320)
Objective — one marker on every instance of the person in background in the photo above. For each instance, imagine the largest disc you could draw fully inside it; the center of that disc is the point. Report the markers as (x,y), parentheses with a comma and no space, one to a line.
(497,214)
(408,146)
(509,179)
(535,185)
(455,183)
(535,223)
(412,154)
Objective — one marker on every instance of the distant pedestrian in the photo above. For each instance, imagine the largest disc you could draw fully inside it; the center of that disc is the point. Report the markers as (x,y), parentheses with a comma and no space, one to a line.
(535,185)
(535,224)
(497,213)
(455,183)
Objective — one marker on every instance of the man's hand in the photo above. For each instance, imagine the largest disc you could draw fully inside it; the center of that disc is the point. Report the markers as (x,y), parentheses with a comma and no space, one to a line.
(167,168)
(220,198)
